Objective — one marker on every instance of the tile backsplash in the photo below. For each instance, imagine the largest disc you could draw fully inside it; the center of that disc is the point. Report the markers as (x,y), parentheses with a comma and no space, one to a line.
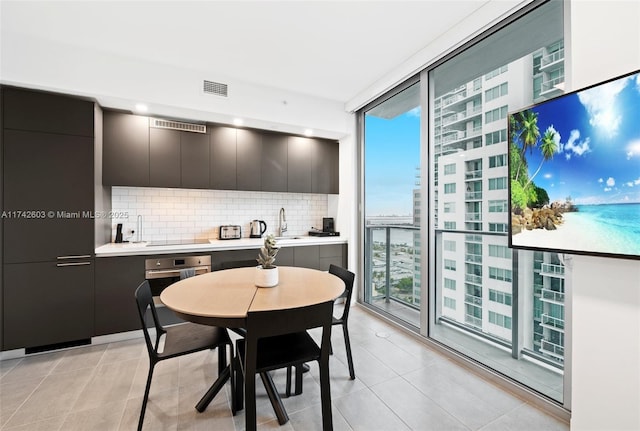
(170,214)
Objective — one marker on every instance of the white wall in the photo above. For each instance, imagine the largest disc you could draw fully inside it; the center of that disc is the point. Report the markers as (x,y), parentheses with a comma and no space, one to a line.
(604,41)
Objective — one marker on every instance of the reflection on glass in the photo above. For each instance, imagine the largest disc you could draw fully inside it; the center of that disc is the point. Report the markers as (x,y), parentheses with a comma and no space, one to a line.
(504,312)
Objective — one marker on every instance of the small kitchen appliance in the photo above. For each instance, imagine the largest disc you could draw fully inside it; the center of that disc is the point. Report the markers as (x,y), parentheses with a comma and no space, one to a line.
(230,232)
(258,227)
(327,224)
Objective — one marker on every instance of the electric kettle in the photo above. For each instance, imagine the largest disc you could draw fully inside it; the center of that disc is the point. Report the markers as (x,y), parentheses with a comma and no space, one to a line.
(257,228)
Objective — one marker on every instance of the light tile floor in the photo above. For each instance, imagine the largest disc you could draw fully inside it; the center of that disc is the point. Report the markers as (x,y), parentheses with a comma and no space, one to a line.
(401,384)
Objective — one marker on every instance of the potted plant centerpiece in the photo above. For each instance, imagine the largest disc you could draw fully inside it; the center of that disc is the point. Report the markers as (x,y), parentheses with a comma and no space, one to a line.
(267,272)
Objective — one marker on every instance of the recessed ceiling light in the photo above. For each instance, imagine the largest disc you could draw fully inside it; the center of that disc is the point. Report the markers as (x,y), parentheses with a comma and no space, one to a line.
(238,121)
(141,107)
(308,132)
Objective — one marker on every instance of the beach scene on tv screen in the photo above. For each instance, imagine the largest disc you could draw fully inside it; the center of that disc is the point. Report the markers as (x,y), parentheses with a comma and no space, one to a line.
(575,171)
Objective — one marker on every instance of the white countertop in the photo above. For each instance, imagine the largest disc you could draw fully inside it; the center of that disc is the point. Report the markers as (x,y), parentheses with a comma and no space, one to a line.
(133,249)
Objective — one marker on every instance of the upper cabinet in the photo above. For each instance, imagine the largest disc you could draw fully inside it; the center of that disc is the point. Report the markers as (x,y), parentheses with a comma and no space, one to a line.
(249,160)
(325,164)
(274,162)
(125,153)
(164,158)
(299,152)
(46,112)
(194,160)
(224,158)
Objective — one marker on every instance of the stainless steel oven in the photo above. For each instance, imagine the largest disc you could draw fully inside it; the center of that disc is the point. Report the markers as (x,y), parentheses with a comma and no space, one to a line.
(163,271)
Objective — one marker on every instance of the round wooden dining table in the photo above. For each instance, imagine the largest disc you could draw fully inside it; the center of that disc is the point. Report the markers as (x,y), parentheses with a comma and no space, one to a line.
(223,298)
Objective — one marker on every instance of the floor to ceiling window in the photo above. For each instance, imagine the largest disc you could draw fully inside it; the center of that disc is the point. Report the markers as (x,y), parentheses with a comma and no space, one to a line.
(393,204)
(502,308)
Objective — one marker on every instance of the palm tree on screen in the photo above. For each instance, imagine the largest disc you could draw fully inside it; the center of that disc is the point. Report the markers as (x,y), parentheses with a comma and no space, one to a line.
(548,147)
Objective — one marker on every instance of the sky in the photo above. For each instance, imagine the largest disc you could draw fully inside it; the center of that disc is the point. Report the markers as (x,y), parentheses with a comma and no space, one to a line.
(392,156)
(598,136)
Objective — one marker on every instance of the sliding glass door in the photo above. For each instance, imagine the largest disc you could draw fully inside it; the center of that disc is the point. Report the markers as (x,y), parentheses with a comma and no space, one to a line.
(393,204)
(499,307)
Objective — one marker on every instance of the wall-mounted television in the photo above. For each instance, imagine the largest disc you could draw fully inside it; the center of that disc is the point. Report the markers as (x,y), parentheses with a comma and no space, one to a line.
(574,166)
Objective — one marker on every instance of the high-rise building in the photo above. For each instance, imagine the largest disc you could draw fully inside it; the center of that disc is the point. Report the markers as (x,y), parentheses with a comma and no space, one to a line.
(471,208)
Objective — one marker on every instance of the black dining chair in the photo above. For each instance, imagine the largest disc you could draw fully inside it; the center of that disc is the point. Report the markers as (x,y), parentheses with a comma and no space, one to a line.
(279,339)
(180,339)
(348,277)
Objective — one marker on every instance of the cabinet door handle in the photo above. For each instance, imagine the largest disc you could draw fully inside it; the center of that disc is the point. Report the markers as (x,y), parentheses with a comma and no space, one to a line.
(81,256)
(73,264)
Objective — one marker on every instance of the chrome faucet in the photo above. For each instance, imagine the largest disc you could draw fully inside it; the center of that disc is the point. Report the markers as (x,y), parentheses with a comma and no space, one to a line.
(282,223)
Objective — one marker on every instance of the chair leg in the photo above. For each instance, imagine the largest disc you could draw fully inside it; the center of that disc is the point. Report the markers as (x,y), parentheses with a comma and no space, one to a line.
(325,396)
(222,359)
(288,388)
(347,343)
(146,396)
(239,385)
(275,400)
(299,371)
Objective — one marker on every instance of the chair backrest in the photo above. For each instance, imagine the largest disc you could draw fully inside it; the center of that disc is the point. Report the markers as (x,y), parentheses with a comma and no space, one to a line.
(348,277)
(218,266)
(144,299)
(262,324)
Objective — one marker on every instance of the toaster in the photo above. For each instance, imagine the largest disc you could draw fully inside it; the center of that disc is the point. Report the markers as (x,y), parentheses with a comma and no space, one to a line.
(230,232)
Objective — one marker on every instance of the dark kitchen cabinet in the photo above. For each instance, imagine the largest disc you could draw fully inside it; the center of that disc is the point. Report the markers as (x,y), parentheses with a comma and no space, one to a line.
(223,158)
(324,167)
(48,229)
(335,254)
(274,162)
(164,158)
(117,279)
(38,111)
(248,160)
(178,159)
(299,164)
(194,160)
(47,303)
(307,256)
(48,177)
(125,154)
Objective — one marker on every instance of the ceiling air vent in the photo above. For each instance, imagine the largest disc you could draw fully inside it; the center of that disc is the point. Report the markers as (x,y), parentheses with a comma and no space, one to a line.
(216,88)
(178,125)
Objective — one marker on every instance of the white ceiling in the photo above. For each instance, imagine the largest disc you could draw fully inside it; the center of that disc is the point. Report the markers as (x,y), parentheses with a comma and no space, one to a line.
(328,49)
(327,52)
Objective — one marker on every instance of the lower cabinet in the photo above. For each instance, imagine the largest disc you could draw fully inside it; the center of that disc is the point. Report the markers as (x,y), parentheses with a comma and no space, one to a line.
(47,303)
(308,256)
(117,279)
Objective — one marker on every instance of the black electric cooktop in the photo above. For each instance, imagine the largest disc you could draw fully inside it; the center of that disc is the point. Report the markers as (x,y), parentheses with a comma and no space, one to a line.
(170,242)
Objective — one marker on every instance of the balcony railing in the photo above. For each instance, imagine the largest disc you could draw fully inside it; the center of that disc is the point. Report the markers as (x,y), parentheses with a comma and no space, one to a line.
(552,270)
(473,217)
(551,85)
(473,174)
(553,322)
(552,348)
(552,58)
(473,196)
(552,296)
(390,262)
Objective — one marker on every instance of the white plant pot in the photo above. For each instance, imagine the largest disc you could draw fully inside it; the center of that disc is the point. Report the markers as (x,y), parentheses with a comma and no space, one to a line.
(266,277)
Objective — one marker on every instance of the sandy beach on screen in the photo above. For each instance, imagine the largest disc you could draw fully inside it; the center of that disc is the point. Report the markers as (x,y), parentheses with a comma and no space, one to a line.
(574,234)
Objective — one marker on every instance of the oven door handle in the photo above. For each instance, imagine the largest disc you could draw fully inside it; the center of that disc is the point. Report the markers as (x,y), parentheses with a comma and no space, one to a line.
(168,273)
